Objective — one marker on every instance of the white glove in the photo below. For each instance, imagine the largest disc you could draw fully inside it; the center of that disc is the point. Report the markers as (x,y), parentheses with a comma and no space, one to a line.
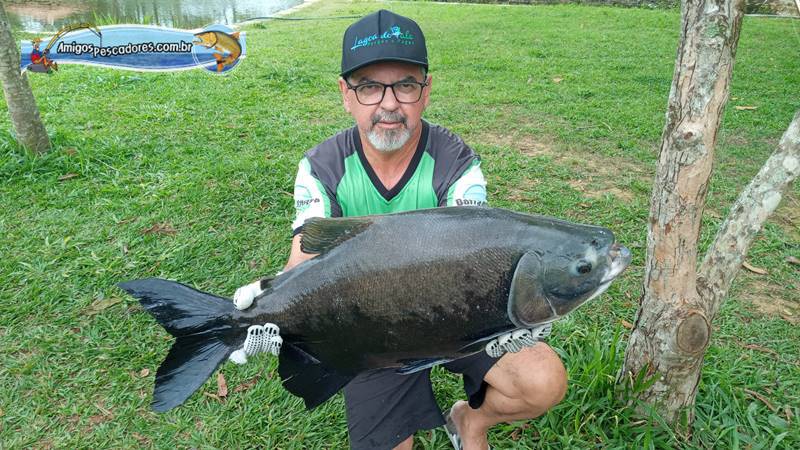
(260,338)
(243,297)
(516,340)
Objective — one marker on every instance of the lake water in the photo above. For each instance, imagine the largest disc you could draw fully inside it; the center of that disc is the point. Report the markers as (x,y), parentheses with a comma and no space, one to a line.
(51,15)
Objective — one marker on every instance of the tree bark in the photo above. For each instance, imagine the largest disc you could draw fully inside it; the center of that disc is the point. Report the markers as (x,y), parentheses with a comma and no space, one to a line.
(25,119)
(673,324)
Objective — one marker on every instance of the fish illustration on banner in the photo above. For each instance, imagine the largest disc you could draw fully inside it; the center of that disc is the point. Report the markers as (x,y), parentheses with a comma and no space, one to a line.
(216,48)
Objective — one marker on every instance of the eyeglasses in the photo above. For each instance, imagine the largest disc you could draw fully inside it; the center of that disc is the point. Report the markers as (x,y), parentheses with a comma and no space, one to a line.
(372,93)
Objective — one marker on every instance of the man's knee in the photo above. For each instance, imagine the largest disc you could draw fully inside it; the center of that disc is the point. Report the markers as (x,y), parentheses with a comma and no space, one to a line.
(534,375)
(408,444)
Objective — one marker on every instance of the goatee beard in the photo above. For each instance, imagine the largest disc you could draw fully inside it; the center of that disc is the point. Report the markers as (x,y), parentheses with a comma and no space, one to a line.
(387,141)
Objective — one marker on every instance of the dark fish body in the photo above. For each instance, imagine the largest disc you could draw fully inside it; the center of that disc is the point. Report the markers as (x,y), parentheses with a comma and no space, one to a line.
(402,291)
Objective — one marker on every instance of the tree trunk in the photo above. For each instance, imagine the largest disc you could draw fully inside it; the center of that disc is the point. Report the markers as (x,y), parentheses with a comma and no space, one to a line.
(21,104)
(673,325)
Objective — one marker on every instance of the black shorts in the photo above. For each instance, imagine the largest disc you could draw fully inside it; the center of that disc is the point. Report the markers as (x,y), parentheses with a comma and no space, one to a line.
(384,407)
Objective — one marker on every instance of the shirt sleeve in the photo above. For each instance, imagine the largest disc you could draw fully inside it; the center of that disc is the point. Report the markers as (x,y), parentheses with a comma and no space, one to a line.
(310,198)
(469,189)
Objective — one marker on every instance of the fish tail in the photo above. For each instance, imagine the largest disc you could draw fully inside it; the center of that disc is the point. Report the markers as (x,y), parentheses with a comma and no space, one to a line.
(204,330)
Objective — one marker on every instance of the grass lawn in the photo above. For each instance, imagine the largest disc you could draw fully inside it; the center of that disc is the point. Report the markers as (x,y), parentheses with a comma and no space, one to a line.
(188,176)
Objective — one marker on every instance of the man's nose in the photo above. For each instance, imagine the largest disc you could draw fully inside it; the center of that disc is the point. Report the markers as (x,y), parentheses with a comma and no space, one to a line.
(389,102)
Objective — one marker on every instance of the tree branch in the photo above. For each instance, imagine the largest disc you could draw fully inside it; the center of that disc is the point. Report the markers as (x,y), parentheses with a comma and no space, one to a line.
(754,205)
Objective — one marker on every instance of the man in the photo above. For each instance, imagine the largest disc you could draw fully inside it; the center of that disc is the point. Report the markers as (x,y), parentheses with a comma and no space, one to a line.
(38,57)
(394,161)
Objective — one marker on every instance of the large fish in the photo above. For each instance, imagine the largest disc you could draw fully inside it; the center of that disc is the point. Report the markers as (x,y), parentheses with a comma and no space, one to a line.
(226,44)
(403,291)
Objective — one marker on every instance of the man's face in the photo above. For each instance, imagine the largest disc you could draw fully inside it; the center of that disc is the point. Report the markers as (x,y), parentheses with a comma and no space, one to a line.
(389,124)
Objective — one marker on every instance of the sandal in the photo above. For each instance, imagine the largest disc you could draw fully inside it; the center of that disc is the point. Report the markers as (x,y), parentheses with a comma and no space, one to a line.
(452,432)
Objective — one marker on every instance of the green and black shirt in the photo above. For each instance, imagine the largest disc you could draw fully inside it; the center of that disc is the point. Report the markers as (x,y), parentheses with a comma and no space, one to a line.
(335,180)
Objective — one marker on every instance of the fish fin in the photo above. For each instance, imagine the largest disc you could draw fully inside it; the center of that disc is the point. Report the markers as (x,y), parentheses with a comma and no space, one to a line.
(527,303)
(421,364)
(205,332)
(320,235)
(235,35)
(190,362)
(304,376)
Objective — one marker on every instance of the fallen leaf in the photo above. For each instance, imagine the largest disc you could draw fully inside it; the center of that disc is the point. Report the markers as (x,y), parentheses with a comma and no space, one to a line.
(160,228)
(101,305)
(745,108)
(246,385)
(144,372)
(124,249)
(557,80)
(734,98)
(67,176)
(626,324)
(754,269)
(762,398)
(253,264)
(793,260)
(70,151)
(209,394)
(222,386)
(788,412)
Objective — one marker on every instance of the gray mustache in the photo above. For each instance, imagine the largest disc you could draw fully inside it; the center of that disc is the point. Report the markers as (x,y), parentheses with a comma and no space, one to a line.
(388,117)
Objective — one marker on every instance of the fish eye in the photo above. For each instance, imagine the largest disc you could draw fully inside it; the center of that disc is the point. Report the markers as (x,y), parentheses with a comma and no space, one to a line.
(583,267)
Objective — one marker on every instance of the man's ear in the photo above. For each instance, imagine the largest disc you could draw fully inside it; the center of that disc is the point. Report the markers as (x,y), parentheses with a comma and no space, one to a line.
(343,89)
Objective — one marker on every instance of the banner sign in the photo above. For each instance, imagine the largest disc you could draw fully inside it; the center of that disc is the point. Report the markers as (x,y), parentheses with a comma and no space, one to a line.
(216,48)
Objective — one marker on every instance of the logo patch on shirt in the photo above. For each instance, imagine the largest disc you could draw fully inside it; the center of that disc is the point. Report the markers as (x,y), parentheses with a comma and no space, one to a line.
(468,202)
(302,204)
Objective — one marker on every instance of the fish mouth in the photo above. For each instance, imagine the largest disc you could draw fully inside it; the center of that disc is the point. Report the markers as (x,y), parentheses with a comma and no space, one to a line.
(620,259)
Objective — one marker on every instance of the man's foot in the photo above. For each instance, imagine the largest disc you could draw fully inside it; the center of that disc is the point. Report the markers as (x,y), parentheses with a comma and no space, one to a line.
(456,425)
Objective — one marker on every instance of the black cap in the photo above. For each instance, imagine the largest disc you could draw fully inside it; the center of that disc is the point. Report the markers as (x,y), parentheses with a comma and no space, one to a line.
(382,36)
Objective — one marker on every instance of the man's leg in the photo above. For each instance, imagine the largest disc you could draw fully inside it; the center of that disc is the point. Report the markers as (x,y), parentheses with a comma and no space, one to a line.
(521,385)
(408,444)
(384,409)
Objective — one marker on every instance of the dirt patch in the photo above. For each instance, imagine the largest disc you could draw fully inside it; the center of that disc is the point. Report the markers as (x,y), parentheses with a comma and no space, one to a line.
(521,191)
(595,175)
(600,166)
(527,144)
(592,190)
(771,300)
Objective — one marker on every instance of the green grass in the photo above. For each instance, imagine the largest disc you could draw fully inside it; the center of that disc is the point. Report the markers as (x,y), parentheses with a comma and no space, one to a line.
(215,158)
